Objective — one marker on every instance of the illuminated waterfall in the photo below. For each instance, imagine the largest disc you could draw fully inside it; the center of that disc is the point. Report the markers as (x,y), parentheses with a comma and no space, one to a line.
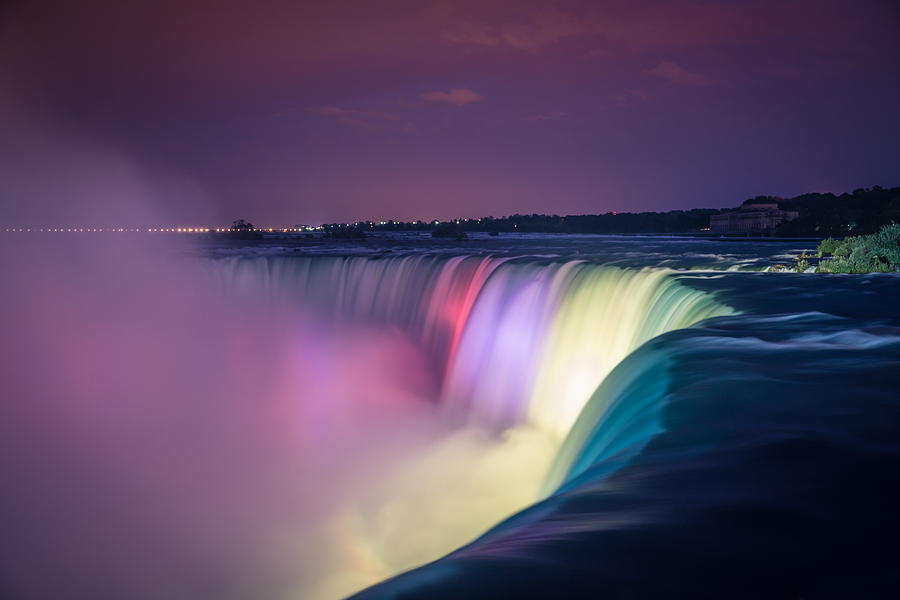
(428,297)
(541,339)
(517,347)
(515,341)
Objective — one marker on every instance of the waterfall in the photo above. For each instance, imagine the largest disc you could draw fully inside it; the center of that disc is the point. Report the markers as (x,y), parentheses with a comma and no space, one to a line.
(308,426)
(517,348)
(514,341)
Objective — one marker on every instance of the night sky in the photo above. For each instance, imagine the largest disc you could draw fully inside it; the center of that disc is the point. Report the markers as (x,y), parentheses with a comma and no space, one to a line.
(289,112)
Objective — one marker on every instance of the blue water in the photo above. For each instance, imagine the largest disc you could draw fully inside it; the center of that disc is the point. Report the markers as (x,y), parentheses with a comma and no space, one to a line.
(677,252)
(522,416)
(751,455)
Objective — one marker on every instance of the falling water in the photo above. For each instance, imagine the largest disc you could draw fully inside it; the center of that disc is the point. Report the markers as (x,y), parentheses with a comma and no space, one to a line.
(518,347)
(514,341)
(295,426)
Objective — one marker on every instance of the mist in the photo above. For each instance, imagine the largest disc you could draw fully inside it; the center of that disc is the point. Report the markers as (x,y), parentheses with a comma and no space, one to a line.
(165,436)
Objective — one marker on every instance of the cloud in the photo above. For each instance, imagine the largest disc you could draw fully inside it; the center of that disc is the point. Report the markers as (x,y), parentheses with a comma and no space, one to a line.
(630,97)
(677,74)
(334,111)
(363,120)
(536,30)
(557,115)
(457,96)
(642,26)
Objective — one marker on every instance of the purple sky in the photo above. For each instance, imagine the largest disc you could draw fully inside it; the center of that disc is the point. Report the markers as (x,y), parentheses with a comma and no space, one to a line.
(286,112)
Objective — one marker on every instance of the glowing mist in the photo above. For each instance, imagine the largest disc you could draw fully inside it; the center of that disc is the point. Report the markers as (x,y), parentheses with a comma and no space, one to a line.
(517,349)
(294,427)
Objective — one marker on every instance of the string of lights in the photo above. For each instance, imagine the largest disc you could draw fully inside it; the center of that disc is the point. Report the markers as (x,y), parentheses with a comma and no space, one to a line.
(206,230)
(158,229)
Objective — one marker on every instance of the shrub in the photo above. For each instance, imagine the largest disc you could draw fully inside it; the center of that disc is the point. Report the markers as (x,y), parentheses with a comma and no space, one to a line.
(845,247)
(835,265)
(875,253)
(885,244)
(828,246)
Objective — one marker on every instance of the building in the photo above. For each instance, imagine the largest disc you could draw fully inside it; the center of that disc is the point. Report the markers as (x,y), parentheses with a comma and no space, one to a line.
(752,217)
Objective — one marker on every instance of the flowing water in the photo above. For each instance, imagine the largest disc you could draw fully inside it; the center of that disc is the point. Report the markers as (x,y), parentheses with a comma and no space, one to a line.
(540,416)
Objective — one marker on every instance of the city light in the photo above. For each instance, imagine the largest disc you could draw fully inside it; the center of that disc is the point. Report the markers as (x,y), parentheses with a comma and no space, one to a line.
(194,229)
